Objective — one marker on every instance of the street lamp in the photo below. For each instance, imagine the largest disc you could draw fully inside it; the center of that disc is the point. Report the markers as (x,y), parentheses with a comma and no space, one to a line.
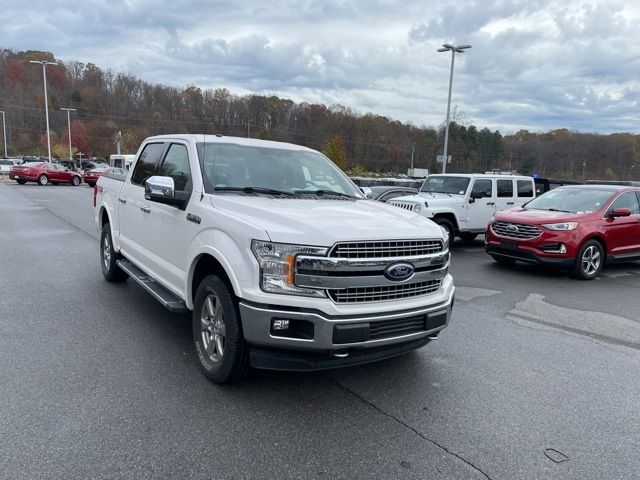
(44,64)
(453,49)
(68,110)
(4,135)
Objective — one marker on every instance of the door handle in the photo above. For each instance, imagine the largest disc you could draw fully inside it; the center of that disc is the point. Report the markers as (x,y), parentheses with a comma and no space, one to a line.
(145,209)
(510,203)
(122,200)
(490,203)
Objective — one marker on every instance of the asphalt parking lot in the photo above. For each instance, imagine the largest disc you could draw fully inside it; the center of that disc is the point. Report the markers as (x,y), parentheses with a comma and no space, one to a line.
(535,378)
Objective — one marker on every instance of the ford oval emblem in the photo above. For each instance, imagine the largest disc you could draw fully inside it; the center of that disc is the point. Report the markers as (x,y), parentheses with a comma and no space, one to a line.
(399,271)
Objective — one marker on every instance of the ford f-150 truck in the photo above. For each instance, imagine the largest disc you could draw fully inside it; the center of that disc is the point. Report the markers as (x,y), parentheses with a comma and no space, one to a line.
(281,259)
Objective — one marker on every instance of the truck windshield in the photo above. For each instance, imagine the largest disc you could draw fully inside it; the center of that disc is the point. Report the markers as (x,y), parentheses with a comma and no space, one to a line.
(444,184)
(240,168)
(573,200)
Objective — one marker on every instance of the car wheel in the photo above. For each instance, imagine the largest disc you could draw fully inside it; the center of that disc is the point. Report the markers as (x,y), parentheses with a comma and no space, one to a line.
(43,180)
(443,222)
(21,181)
(75,181)
(503,260)
(108,257)
(217,332)
(589,261)
(468,236)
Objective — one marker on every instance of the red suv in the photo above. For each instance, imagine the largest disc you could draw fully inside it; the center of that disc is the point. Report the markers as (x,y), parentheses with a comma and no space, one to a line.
(579,228)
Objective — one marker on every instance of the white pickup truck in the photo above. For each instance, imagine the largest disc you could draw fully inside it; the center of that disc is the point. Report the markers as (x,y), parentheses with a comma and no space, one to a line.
(283,262)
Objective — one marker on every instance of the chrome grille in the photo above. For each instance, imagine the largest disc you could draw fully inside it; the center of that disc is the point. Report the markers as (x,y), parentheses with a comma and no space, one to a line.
(380,294)
(521,231)
(399,248)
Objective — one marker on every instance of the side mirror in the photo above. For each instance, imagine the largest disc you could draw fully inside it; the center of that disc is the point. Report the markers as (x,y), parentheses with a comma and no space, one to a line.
(475,195)
(161,190)
(620,212)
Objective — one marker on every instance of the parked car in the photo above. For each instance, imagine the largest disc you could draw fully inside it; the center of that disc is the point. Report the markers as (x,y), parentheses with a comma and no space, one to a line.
(91,177)
(575,227)
(386,193)
(70,164)
(279,270)
(44,173)
(464,203)
(7,163)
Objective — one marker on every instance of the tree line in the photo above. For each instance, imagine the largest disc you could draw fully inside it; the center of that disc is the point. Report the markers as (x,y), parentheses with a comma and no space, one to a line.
(108,102)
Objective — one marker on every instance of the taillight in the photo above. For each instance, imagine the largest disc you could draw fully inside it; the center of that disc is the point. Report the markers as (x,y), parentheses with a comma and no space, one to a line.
(96,189)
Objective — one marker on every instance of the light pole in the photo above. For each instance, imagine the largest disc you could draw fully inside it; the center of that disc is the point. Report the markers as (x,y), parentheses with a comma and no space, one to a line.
(459,49)
(4,135)
(413,149)
(584,166)
(68,110)
(44,64)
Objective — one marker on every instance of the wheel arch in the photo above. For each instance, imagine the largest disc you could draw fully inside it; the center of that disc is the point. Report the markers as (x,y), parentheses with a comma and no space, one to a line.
(208,263)
(448,216)
(598,238)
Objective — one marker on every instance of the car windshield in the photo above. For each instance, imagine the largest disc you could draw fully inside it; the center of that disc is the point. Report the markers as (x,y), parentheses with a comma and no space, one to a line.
(573,200)
(444,184)
(255,170)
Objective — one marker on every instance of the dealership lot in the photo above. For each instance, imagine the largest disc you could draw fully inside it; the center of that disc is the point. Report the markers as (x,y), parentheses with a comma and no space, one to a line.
(535,377)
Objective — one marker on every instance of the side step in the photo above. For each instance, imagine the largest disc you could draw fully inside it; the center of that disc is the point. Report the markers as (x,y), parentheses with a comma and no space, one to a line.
(164,296)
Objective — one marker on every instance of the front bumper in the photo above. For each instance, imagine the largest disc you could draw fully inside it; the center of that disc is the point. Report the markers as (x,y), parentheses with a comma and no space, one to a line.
(529,256)
(317,341)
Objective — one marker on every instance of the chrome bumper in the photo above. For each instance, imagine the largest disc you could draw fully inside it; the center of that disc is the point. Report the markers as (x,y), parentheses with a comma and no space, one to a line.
(257,320)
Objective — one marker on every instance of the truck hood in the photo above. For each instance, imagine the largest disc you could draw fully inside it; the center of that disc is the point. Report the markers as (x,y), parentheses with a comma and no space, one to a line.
(433,199)
(325,222)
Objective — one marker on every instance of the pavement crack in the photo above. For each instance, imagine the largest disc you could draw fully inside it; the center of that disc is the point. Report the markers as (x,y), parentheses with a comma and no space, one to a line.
(406,425)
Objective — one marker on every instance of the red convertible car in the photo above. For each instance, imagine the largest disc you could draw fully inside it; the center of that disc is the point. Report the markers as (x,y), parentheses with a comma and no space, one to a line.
(44,173)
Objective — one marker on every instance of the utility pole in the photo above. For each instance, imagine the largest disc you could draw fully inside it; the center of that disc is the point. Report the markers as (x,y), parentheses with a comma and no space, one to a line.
(584,166)
(44,64)
(118,142)
(69,110)
(510,155)
(248,129)
(459,49)
(413,149)
(4,134)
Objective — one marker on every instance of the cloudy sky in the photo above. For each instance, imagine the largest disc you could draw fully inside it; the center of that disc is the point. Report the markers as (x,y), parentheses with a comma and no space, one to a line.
(534,64)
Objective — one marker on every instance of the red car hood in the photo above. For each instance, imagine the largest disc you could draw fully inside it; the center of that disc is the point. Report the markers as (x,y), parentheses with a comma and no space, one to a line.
(521,215)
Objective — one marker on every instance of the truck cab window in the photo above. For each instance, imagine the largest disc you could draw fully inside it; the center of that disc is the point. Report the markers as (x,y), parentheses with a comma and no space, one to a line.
(176,166)
(147,163)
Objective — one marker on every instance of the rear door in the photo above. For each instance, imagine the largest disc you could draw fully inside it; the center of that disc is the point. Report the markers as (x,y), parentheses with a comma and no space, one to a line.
(524,191)
(623,233)
(137,228)
(505,193)
(482,203)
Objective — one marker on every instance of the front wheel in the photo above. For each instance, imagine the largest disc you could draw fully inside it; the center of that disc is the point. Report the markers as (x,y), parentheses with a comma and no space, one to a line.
(217,332)
(108,257)
(43,180)
(446,224)
(589,261)
(75,181)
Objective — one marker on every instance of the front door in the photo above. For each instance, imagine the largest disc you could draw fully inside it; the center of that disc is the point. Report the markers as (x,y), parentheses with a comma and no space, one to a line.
(482,204)
(505,195)
(623,233)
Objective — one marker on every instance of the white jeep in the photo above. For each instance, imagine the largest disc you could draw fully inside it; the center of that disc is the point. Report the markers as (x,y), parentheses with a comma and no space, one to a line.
(464,203)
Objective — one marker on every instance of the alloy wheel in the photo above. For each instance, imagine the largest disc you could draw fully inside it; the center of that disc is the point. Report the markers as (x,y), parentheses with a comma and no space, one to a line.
(591,259)
(212,328)
(106,252)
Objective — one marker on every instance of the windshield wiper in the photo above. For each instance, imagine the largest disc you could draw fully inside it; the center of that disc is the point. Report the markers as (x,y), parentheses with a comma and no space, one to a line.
(268,191)
(556,210)
(323,192)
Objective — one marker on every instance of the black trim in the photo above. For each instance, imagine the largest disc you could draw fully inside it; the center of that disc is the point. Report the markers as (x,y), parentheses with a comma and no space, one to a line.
(623,257)
(272,359)
(194,218)
(529,257)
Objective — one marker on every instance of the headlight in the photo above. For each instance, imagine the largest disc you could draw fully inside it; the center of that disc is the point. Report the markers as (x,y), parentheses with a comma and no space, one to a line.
(561,226)
(417,207)
(445,234)
(277,266)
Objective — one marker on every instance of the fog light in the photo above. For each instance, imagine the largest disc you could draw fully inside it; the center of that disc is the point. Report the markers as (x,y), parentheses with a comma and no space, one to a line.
(279,324)
(562,249)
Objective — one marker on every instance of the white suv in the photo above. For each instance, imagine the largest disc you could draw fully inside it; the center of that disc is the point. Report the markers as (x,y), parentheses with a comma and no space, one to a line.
(464,203)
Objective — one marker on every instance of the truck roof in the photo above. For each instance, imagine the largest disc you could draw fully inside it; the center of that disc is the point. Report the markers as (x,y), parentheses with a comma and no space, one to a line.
(501,176)
(217,138)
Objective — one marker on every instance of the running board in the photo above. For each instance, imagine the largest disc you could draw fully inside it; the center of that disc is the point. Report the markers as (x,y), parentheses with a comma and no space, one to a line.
(170,301)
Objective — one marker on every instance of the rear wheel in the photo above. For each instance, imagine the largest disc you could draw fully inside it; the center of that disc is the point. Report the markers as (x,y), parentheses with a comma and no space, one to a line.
(108,257)
(443,222)
(217,332)
(589,261)
(75,181)
(43,180)
(21,181)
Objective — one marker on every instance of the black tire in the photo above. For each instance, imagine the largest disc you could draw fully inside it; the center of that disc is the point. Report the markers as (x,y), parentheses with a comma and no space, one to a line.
(43,180)
(55,183)
(218,324)
(91,184)
(75,181)
(443,222)
(467,236)
(503,260)
(589,261)
(21,181)
(110,269)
